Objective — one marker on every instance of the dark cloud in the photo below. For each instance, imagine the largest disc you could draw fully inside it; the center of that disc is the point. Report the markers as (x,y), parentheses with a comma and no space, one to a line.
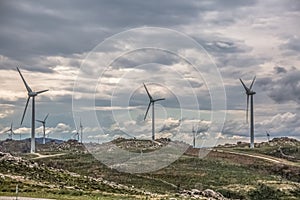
(279,70)
(233,127)
(283,89)
(144,56)
(64,28)
(202,127)
(293,43)
(68,27)
(226,46)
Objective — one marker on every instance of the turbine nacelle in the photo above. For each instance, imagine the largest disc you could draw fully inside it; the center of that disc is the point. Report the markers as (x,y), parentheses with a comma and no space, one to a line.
(250,93)
(32,94)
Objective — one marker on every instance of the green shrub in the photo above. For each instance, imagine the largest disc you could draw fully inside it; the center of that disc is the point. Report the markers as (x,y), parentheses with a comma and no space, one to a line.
(265,192)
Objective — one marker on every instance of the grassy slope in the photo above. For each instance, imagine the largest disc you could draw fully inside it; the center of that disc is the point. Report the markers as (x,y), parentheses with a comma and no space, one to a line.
(224,174)
(235,176)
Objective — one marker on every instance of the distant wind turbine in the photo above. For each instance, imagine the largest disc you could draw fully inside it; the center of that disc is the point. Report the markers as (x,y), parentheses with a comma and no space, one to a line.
(152,101)
(268,135)
(10,132)
(81,132)
(250,93)
(44,129)
(194,137)
(31,94)
(76,135)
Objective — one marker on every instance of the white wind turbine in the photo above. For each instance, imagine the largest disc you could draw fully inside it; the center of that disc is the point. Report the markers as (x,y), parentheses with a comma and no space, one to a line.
(81,132)
(10,132)
(249,92)
(76,135)
(44,128)
(152,101)
(31,94)
(194,137)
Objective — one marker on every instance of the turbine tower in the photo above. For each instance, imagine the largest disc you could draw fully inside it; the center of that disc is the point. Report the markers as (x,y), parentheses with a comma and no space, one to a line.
(152,101)
(194,137)
(76,135)
(250,93)
(44,131)
(81,133)
(10,132)
(31,94)
(268,135)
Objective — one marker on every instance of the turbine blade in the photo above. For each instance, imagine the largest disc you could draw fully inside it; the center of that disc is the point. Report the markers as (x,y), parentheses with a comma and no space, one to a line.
(147,110)
(247,108)
(150,97)
(25,110)
(244,85)
(26,85)
(252,82)
(39,92)
(11,125)
(46,117)
(39,121)
(160,99)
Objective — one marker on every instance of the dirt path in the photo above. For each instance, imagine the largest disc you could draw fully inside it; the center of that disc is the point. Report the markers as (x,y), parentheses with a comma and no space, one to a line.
(261,156)
(160,180)
(40,156)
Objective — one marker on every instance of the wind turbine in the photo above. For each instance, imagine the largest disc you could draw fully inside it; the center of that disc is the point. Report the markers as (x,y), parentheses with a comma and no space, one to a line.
(44,131)
(10,131)
(250,93)
(152,101)
(31,94)
(268,135)
(76,135)
(194,137)
(81,133)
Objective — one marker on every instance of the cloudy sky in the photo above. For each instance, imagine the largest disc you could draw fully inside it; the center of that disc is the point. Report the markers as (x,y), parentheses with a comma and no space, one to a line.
(97,54)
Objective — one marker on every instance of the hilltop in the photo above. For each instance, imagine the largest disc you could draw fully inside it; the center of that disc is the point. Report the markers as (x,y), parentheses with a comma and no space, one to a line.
(52,145)
(282,141)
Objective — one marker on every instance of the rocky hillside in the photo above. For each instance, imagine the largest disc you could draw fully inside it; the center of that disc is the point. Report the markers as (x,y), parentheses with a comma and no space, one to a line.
(283,141)
(36,178)
(137,145)
(30,175)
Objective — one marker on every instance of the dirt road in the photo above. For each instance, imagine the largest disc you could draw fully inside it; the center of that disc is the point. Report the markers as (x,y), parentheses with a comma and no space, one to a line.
(261,156)
(40,156)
